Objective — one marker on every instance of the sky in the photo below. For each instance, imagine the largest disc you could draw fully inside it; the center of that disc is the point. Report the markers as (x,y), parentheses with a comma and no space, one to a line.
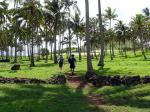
(125,9)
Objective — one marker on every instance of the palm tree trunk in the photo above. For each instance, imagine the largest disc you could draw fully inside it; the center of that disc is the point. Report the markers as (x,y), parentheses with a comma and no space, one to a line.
(106,49)
(84,50)
(51,56)
(142,47)
(39,53)
(7,48)
(79,52)
(69,41)
(55,35)
(11,52)
(134,47)
(119,47)
(101,61)
(7,52)
(113,52)
(62,45)
(80,47)
(46,60)
(94,42)
(125,51)
(15,56)
(32,53)
(32,64)
(28,50)
(21,54)
(110,46)
(59,44)
(89,61)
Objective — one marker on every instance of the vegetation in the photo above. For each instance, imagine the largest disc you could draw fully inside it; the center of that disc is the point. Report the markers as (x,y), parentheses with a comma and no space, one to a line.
(34,34)
(46,98)
(119,66)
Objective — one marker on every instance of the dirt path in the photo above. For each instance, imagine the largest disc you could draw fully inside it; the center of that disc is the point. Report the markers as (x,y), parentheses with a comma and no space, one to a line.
(79,83)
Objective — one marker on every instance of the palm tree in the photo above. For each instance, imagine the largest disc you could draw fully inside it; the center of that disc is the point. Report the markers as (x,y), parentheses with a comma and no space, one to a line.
(94,39)
(32,13)
(110,15)
(54,6)
(146,12)
(101,26)
(16,26)
(3,25)
(16,5)
(77,28)
(57,7)
(89,61)
(121,28)
(138,24)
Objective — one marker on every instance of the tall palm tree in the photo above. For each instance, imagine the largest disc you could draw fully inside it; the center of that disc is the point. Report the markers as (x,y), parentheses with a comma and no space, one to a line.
(3,25)
(16,5)
(101,26)
(120,27)
(32,14)
(110,14)
(138,24)
(89,61)
(94,39)
(57,7)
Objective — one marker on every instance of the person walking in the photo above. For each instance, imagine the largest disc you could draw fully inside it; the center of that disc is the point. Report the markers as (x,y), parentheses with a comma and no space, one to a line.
(61,62)
(72,62)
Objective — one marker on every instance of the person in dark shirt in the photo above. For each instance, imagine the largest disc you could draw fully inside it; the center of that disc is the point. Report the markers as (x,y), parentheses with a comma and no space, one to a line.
(72,62)
(61,61)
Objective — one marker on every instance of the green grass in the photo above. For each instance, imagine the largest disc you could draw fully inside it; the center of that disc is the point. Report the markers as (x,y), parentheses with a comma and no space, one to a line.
(65,98)
(126,99)
(125,66)
(43,98)
(119,66)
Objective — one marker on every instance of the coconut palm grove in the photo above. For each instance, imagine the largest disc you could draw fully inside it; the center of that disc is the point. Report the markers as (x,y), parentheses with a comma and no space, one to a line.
(54,59)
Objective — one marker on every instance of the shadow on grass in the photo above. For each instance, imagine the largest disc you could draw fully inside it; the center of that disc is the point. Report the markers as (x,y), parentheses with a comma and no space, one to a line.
(5,70)
(130,56)
(107,71)
(45,65)
(128,96)
(104,71)
(43,98)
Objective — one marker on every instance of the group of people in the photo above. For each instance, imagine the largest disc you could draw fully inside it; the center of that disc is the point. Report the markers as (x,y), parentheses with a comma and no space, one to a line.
(71,60)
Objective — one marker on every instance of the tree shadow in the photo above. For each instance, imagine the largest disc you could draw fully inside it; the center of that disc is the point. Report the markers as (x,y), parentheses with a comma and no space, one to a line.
(43,98)
(45,65)
(107,71)
(127,96)
(5,70)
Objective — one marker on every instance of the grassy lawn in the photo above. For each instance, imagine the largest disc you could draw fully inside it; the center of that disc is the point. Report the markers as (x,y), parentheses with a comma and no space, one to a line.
(43,98)
(126,99)
(65,98)
(119,66)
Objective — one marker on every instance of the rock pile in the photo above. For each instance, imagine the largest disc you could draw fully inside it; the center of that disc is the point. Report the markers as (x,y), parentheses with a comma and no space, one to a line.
(61,79)
(99,80)
(16,66)
(5,60)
